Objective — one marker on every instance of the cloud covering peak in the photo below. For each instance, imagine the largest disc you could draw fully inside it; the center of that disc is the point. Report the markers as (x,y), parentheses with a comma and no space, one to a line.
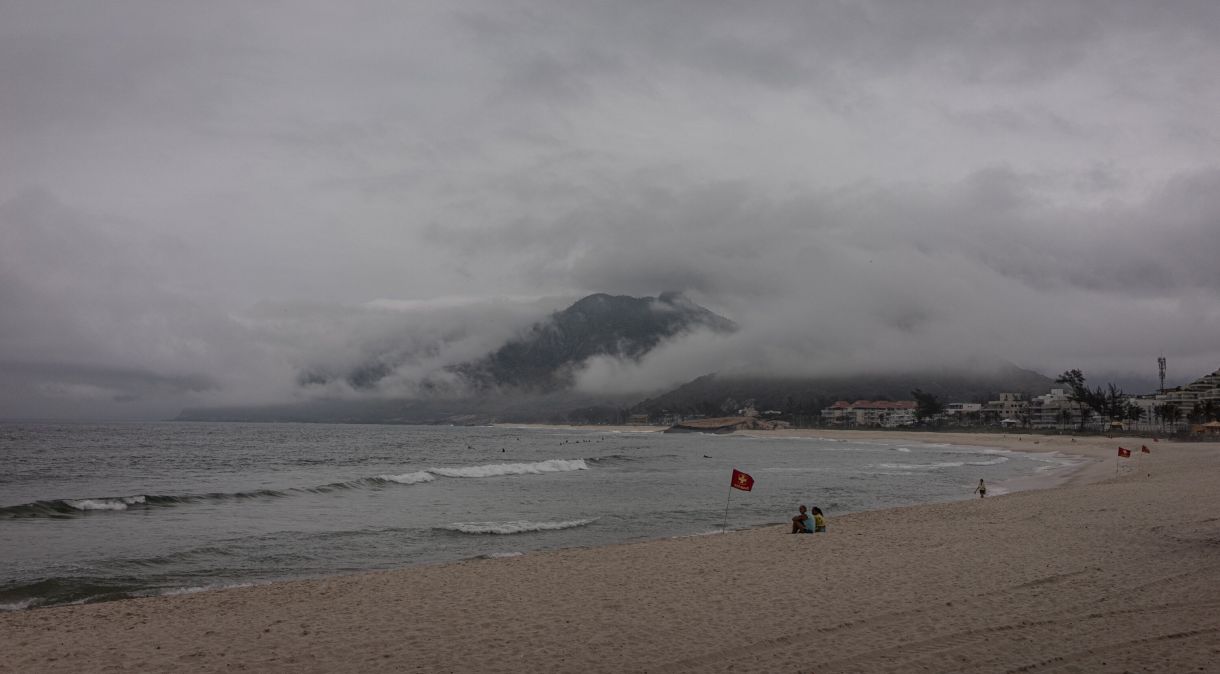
(205,204)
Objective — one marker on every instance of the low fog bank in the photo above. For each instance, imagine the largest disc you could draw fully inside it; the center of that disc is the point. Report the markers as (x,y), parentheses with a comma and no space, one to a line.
(106,321)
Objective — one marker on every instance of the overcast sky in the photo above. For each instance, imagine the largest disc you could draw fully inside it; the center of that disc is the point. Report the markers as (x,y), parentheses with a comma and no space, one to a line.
(200,201)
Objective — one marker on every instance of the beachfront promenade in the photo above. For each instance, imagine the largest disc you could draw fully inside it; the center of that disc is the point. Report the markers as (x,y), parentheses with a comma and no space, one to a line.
(1099,574)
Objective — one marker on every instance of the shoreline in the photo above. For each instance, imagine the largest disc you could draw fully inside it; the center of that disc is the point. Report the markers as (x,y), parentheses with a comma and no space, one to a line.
(1091,451)
(1097,573)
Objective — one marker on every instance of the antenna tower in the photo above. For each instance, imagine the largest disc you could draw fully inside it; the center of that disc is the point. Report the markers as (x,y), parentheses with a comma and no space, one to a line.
(1160,364)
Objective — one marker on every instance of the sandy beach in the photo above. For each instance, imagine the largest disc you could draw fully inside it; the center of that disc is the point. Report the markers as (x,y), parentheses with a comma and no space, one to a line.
(1096,573)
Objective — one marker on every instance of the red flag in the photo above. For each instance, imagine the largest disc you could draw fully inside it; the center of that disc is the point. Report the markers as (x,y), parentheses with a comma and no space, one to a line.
(1125,453)
(1144,449)
(742,481)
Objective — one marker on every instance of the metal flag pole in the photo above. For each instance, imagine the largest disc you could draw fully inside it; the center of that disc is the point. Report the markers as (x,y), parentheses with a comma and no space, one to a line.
(725,527)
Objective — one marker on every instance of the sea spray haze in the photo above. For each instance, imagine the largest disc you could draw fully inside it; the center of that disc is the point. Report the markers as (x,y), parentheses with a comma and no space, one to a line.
(99,511)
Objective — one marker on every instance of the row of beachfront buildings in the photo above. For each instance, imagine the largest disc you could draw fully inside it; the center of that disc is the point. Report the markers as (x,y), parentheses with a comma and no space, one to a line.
(1170,410)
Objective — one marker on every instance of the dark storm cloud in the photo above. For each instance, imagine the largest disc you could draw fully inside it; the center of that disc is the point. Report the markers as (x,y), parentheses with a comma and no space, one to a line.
(213,203)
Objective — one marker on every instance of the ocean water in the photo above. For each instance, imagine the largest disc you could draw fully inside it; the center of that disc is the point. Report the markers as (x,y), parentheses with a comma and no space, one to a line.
(92,512)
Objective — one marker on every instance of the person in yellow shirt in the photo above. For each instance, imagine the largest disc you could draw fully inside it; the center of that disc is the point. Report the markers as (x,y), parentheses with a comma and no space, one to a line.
(819,520)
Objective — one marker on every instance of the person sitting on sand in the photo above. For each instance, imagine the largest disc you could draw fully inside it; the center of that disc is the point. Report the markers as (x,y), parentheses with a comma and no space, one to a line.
(981,489)
(819,520)
(802,523)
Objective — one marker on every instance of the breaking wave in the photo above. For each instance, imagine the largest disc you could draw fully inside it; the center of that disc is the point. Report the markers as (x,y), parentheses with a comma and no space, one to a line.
(991,460)
(996,460)
(408,478)
(64,508)
(516,527)
(921,466)
(120,503)
(497,469)
(61,508)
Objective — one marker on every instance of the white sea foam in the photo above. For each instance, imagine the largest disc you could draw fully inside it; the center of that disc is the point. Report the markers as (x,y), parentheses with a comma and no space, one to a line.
(489,470)
(503,555)
(176,591)
(709,532)
(995,461)
(921,466)
(905,450)
(409,478)
(18,605)
(516,527)
(495,469)
(105,503)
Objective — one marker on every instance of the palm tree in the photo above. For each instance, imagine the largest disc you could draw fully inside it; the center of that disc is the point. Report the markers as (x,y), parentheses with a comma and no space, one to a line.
(1171,413)
(1135,413)
(1195,415)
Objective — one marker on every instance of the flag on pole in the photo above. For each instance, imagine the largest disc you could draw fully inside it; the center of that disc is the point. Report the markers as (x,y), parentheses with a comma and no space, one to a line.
(742,481)
(1125,453)
(1145,450)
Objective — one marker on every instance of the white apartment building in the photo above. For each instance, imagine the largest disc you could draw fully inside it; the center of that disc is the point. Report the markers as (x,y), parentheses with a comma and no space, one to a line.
(884,413)
(1054,410)
(1009,406)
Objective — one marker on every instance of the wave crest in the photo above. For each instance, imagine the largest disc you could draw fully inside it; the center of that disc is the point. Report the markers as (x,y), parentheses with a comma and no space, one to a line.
(119,503)
(497,469)
(921,466)
(516,527)
(993,462)
(63,508)
(409,478)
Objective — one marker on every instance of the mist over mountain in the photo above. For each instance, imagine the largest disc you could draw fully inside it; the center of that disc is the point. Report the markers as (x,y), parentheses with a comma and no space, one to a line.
(618,326)
(530,377)
(533,376)
(542,358)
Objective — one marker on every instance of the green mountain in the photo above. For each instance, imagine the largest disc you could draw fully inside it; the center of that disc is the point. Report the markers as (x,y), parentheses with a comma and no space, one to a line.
(527,379)
(546,357)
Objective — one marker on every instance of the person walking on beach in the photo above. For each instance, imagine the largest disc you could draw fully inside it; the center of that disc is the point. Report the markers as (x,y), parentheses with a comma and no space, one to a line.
(819,521)
(981,489)
(802,523)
